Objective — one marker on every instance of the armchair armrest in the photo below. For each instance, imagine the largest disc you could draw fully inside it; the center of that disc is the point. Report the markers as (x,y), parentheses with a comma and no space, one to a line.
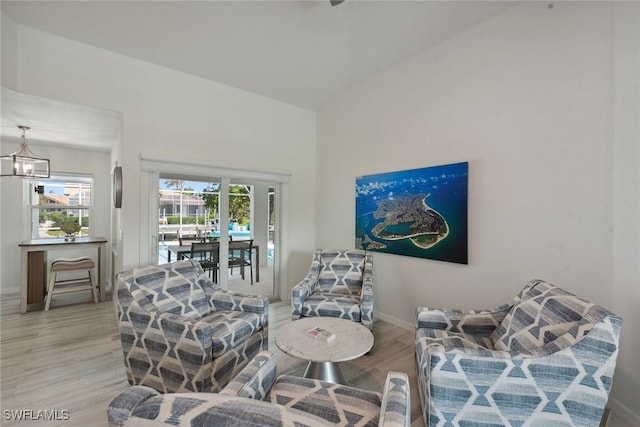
(301,292)
(478,322)
(396,401)
(120,407)
(366,294)
(221,299)
(255,380)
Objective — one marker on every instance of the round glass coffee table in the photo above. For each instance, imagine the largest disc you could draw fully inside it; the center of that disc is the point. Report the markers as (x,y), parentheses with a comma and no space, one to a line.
(351,341)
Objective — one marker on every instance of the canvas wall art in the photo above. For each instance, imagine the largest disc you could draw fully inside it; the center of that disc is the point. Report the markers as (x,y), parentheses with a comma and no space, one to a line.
(417,212)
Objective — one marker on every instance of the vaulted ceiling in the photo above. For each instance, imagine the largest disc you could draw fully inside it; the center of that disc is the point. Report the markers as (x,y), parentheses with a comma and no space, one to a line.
(301,52)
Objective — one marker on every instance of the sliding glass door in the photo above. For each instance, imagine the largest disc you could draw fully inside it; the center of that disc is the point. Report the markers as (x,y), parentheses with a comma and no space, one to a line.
(238,214)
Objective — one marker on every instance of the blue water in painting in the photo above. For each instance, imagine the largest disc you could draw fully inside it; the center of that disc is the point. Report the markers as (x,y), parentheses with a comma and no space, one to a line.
(447,186)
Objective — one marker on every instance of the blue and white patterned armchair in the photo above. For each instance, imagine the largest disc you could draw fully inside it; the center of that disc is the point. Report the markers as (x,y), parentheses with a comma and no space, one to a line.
(252,398)
(545,359)
(180,332)
(339,284)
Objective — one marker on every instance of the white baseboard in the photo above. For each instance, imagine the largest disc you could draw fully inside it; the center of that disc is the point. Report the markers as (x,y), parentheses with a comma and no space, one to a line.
(624,412)
(394,321)
(9,291)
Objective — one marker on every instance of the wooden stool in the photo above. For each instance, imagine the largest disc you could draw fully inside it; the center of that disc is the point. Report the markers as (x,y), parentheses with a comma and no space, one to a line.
(70,285)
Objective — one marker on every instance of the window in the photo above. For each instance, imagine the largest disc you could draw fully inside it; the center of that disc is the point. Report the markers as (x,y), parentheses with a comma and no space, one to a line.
(60,199)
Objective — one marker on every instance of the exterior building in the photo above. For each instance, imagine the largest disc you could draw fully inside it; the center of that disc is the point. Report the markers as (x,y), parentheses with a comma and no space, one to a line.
(172,200)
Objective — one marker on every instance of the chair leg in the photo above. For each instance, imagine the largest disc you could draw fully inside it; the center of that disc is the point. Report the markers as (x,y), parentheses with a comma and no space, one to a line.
(52,281)
(94,288)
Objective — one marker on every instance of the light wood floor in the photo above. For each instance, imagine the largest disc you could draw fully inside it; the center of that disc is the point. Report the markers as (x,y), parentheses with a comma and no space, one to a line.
(70,359)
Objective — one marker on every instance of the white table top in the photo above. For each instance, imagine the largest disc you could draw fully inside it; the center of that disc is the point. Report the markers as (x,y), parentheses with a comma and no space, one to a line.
(352,340)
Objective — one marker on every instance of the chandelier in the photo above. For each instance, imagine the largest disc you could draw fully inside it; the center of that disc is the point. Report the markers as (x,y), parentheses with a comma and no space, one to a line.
(23,162)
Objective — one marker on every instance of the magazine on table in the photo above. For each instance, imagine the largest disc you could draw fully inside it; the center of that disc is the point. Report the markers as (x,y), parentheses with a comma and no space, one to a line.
(321,334)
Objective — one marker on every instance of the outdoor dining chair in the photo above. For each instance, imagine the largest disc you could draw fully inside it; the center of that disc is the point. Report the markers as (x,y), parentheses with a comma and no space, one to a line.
(208,255)
(240,252)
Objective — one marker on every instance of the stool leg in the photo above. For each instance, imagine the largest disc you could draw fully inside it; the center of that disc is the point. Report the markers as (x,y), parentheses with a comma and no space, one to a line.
(94,289)
(52,281)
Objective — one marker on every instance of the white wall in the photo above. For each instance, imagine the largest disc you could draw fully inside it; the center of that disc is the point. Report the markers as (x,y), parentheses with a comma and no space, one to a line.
(174,116)
(8,47)
(14,225)
(527,99)
(626,202)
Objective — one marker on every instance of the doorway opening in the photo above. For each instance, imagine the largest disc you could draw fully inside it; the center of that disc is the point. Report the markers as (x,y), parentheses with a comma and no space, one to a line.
(201,210)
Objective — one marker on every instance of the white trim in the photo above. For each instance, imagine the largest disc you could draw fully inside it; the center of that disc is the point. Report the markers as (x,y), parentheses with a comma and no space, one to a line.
(620,410)
(10,291)
(280,242)
(394,321)
(148,252)
(223,207)
(194,169)
(69,176)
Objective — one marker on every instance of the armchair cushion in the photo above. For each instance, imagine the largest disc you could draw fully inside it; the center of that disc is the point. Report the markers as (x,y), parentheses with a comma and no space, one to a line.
(332,305)
(543,314)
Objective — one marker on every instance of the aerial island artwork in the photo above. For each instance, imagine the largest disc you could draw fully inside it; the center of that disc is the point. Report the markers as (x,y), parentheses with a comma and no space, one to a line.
(418,212)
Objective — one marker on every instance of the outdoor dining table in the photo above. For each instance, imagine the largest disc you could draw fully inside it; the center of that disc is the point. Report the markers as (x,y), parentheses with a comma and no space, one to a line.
(181,250)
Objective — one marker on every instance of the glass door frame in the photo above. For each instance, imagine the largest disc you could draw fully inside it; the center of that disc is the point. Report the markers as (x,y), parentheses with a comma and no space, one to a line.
(151,169)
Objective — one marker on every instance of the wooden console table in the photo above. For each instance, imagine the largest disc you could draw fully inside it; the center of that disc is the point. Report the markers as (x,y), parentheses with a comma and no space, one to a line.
(33,279)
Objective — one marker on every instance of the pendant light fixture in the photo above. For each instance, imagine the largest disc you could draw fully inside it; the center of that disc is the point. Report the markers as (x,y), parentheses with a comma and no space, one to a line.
(23,162)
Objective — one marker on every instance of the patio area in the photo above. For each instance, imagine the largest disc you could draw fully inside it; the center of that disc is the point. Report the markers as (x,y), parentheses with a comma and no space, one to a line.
(235,281)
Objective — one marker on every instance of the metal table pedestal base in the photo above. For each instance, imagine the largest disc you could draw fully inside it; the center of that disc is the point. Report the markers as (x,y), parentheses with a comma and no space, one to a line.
(325,371)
